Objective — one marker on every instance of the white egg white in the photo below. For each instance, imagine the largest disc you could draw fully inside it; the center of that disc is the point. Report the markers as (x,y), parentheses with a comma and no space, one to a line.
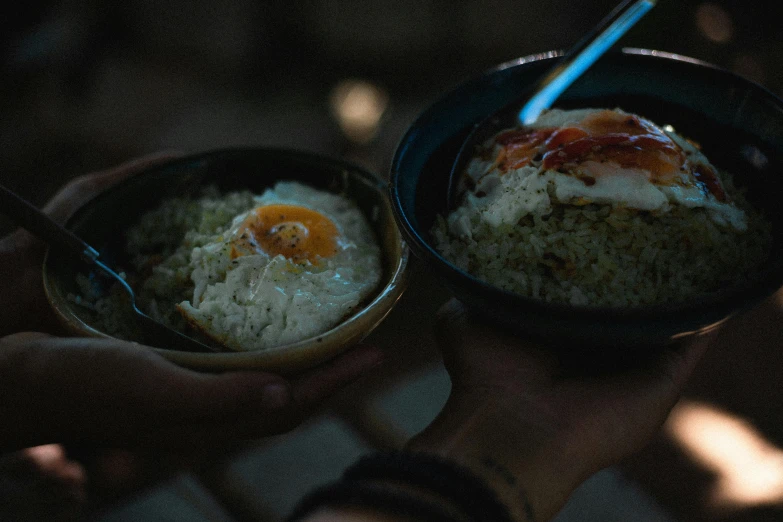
(258,301)
(505,197)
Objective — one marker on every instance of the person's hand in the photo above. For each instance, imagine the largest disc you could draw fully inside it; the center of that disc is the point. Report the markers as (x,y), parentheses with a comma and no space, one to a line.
(23,304)
(533,431)
(112,392)
(119,394)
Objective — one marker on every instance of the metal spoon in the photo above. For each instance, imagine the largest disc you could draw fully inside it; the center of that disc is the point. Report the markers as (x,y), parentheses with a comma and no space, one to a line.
(568,68)
(29,217)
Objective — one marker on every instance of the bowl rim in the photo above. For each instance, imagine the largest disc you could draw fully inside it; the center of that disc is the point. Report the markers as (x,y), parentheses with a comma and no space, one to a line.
(632,315)
(277,358)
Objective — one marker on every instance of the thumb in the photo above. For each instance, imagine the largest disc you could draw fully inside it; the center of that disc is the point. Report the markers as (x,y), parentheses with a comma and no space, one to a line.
(83,188)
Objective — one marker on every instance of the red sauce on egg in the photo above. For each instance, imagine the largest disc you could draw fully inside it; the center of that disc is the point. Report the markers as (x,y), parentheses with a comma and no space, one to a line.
(708,179)
(606,136)
(520,147)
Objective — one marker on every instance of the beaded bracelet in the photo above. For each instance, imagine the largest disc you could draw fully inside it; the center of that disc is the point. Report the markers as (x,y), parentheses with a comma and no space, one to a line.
(377,497)
(449,480)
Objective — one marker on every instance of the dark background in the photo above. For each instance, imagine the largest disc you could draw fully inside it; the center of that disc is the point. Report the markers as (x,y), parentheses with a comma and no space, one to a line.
(86,85)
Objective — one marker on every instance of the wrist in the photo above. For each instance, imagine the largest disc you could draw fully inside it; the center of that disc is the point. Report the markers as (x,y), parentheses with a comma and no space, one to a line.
(408,486)
(518,452)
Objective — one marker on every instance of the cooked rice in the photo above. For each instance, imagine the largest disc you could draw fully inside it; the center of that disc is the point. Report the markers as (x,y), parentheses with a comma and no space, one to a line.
(158,249)
(598,255)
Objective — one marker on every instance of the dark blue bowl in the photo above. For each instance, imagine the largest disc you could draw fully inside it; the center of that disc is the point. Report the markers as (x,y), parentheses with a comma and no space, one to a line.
(738,123)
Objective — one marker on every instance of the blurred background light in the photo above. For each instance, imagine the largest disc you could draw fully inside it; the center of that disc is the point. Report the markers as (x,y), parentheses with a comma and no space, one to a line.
(755,156)
(748,468)
(714,22)
(358,106)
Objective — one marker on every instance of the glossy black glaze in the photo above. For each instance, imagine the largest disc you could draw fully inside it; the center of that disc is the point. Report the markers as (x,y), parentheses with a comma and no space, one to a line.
(738,123)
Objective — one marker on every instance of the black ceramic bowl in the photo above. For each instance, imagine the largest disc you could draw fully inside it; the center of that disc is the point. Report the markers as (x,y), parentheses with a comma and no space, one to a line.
(738,123)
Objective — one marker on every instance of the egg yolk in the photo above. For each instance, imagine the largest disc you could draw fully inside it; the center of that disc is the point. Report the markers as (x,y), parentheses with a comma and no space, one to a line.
(297,233)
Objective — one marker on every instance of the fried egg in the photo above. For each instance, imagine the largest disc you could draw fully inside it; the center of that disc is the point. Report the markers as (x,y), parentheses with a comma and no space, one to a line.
(290,268)
(587,156)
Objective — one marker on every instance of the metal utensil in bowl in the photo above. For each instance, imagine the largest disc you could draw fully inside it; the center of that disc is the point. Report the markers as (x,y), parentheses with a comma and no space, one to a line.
(548,88)
(27,216)
(739,125)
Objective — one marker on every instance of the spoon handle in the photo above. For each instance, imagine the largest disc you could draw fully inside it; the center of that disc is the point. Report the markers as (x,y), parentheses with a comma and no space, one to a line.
(31,218)
(24,214)
(582,56)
